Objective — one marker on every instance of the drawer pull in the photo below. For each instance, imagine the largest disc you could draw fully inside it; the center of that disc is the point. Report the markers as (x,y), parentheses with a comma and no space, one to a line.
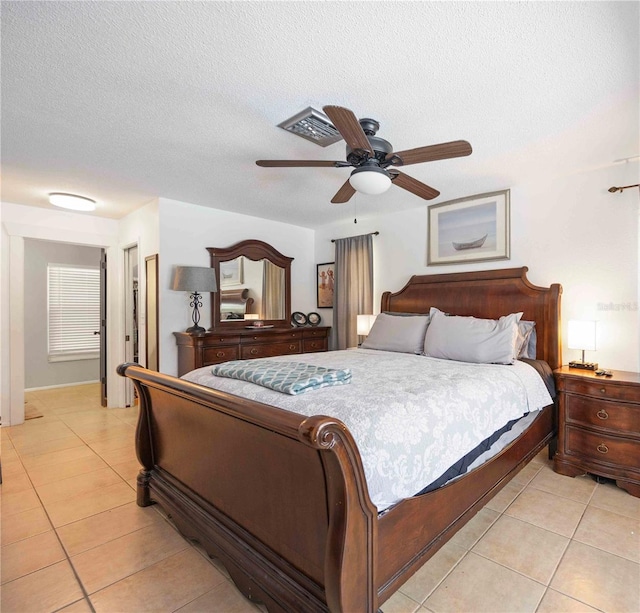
(220,354)
(603,391)
(292,347)
(314,345)
(602,448)
(254,351)
(602,414)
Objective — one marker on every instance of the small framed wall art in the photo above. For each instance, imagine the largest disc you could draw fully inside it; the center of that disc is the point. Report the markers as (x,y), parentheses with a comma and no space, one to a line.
(325,277)
(473,229)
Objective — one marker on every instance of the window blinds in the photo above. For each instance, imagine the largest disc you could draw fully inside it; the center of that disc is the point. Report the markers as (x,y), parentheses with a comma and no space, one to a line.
(74,311)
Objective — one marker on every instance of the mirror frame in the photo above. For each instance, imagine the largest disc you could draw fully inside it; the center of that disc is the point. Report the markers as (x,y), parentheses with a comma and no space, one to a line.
(253,250)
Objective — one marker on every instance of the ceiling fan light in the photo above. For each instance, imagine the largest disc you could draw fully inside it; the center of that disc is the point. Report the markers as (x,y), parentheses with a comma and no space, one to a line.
(71,201)
(370,180)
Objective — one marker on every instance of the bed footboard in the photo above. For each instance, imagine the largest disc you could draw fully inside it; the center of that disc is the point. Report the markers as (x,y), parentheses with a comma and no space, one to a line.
(279,498)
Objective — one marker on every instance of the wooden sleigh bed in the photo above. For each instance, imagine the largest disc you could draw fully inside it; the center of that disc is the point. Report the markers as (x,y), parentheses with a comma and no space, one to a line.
(282,499)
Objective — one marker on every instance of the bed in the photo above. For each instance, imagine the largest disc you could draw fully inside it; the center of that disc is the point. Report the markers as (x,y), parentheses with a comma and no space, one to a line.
(283,499)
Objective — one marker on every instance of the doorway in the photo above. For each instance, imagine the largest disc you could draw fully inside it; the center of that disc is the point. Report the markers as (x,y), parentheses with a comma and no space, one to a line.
(48,368)
(24,224)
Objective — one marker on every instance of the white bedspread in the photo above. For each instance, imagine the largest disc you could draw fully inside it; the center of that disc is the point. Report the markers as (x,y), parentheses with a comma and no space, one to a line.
(411,416)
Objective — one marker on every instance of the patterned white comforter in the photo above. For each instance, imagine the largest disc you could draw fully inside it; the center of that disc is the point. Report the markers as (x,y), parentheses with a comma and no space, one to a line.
(411,416)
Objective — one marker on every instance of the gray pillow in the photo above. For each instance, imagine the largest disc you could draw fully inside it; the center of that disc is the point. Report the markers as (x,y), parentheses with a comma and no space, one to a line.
(469,339)
(404,334)
(526,340)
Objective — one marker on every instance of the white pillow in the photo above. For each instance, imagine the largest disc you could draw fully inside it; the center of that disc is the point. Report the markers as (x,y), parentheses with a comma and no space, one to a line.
(469,339)
(392,333)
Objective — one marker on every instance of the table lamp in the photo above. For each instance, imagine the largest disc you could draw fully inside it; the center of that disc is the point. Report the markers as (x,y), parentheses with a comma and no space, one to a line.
(582,335)
(364,323)
(195,279)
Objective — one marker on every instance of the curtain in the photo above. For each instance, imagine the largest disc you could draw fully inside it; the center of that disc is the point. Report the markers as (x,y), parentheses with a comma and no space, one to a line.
(272,291)
(353,287)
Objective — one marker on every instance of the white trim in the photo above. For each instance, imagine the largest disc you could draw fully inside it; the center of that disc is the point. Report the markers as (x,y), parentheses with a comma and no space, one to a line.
(16,317)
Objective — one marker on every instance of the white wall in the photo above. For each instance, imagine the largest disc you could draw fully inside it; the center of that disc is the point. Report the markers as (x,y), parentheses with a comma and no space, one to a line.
(186,231)
(568,230)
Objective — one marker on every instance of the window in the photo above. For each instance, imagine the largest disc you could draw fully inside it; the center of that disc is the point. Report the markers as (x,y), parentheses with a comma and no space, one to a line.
(74,312)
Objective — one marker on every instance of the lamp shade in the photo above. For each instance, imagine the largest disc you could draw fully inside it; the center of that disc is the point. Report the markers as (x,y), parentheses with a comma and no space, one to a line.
(364,323)
(194,279)
(582,335)
(370,180)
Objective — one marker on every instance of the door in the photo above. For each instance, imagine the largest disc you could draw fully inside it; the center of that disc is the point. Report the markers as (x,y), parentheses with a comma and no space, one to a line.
(103,328)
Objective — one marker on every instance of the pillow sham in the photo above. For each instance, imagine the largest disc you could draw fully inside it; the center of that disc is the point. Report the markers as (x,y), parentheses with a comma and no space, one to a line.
(403,334)
(526,340)
(470,339)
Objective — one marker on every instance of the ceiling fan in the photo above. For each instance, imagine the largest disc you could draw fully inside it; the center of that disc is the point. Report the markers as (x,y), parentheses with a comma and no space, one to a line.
(372,156)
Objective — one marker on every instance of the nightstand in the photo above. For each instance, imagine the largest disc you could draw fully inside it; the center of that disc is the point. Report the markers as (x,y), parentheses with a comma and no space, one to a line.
(599,426)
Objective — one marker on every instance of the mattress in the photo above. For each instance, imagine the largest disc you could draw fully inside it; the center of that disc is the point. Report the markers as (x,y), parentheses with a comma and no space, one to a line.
(412,417)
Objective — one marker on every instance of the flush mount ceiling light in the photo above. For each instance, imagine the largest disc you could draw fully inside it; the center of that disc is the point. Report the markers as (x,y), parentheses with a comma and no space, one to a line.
(71,201)
(370,179)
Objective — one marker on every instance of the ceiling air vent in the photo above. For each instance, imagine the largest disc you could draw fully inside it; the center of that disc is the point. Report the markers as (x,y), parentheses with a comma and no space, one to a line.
(312,125)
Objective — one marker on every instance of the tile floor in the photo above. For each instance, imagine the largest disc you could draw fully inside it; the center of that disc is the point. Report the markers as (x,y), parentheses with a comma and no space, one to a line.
(73,539)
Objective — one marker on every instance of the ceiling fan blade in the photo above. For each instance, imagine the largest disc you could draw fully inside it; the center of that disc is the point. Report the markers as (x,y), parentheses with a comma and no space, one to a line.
(413,185)
(443,151)
(349,127)
(344,193)
(293,163)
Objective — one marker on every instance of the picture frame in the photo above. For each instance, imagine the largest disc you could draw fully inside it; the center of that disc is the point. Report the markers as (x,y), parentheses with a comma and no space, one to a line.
(231,272)
(469,230)
(325,278)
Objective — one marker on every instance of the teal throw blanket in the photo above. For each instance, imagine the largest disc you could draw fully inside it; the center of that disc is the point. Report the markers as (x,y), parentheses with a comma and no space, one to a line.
(287,377)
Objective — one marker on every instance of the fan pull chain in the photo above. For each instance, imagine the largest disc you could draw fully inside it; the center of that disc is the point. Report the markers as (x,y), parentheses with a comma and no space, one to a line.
(355,208)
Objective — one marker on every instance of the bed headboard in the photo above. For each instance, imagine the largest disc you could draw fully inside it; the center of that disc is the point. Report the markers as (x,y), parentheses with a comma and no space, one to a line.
(487,294)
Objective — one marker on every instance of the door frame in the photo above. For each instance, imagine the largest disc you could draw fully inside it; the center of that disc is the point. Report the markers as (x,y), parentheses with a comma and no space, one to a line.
(17,232)
(131,261)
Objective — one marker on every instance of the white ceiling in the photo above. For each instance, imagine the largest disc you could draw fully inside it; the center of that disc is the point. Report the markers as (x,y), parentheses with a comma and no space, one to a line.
(125,102)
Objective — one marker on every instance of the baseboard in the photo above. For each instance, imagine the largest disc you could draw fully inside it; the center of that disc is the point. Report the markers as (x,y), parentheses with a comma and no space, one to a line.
(50,387)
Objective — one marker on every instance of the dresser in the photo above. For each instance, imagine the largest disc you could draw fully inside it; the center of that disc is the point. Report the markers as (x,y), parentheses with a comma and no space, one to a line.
(195,351)
(599,426)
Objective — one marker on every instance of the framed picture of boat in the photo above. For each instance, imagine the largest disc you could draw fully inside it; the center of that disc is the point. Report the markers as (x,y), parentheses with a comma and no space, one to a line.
(473,229)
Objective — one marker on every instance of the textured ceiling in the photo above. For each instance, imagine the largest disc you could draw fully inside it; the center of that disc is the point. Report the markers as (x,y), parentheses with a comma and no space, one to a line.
(125,102)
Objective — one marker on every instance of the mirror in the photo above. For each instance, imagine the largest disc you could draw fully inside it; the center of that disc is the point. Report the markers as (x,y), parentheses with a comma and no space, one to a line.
(254,283)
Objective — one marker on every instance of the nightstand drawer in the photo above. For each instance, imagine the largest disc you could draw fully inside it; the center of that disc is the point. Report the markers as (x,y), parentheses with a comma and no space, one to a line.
(267,351)
(601,389)
(602,448)
(606,414)
(216,355)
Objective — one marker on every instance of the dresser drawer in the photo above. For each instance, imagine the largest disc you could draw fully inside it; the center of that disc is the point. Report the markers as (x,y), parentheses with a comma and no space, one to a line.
(216,355)
(310,345)
(269,350)
(602,448)
(214,341)
(606,414)
(277,338)
(601,389)
(315,333)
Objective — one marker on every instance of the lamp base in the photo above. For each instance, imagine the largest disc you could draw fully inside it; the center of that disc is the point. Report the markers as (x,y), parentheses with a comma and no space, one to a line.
(196,330)
(584,365)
